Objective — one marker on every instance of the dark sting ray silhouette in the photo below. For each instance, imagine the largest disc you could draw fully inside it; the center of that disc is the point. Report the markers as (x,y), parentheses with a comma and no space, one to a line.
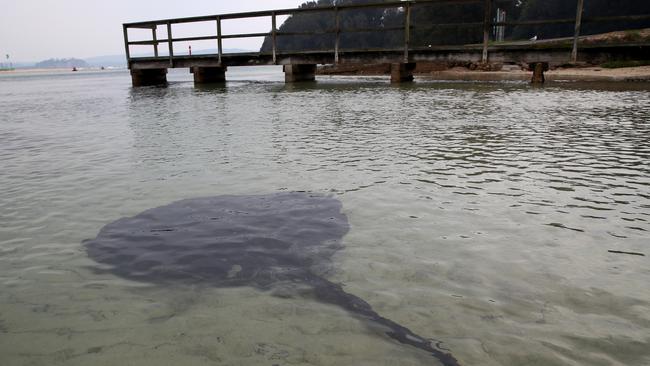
(256,241)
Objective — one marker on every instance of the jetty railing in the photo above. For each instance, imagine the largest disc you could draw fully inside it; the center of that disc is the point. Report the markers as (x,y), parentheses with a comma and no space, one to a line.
(406,8)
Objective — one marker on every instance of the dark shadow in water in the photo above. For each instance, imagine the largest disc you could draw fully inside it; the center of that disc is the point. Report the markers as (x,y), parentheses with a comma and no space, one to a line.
(150,92)
(230,241)
(301,86)
(211,87)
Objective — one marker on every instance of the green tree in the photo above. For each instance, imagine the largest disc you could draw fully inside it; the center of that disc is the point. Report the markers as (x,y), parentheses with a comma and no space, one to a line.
(349,19)
(433,23)
(566,9)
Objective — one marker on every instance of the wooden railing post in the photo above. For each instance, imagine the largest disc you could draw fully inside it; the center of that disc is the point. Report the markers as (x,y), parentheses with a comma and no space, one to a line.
(407,31)
(576,35)
(155,40)
(337,30)
(171,44)
(487,22)
(275,38)
(126,45)
(219,41)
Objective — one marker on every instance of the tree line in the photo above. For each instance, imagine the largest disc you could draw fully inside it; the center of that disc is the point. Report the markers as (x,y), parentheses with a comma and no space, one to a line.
(436,23)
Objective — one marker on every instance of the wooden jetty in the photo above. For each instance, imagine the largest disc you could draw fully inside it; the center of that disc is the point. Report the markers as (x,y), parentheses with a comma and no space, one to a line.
(301,65)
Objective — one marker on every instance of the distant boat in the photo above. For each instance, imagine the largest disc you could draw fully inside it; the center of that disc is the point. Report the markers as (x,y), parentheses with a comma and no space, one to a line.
(7,66)
(74,69)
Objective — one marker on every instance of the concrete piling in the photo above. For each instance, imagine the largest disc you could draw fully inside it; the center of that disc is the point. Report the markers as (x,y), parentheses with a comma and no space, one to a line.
(148,77)
(401,72)
(209,75)
(299,72)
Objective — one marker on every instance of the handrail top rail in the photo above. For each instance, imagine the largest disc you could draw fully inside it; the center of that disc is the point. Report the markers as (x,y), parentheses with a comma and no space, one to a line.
(290,11)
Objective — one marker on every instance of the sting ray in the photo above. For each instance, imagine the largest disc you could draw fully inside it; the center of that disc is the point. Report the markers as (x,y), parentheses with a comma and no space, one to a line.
(257,241)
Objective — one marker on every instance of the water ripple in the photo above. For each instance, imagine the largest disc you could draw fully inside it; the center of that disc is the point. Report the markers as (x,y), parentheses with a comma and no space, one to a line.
(491,204)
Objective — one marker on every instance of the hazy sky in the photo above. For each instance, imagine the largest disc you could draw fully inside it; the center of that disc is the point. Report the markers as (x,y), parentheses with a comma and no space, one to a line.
(33,30)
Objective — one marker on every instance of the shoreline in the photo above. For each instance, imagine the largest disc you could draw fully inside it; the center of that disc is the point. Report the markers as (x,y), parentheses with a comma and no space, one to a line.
(499,73)
(54,70)
(438,73)
(628,74)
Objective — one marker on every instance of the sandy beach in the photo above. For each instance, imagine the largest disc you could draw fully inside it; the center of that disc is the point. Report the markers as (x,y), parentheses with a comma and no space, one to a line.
(627,74)
(504,73)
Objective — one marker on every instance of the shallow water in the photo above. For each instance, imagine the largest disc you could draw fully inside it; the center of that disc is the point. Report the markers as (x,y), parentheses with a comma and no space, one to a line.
(481,215)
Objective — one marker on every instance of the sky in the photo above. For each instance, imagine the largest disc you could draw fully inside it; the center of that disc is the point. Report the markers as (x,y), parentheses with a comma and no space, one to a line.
(35,30)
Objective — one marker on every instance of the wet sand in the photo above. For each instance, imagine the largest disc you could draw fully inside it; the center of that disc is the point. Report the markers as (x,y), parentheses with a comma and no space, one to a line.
(507,73)
(571,74)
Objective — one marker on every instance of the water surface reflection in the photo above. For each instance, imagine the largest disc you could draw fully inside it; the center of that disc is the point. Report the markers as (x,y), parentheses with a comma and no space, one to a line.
(481,213)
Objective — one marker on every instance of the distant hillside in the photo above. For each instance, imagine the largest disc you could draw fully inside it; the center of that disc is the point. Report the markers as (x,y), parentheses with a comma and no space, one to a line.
(61,63)
(120,60)
(107,61)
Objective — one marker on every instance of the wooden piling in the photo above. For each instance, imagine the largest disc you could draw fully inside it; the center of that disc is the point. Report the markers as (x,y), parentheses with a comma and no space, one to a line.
(576,35)
(274,36)
(170,41)
(155,40)
(486,29)
(126,45)
(337,42)
(407,32)
(538,72)
(219,41)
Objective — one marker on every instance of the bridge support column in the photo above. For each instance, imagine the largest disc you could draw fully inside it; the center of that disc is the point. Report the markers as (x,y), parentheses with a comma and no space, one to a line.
(209,75)
(297,73)
(401,72)
(147,77)
(538,69)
